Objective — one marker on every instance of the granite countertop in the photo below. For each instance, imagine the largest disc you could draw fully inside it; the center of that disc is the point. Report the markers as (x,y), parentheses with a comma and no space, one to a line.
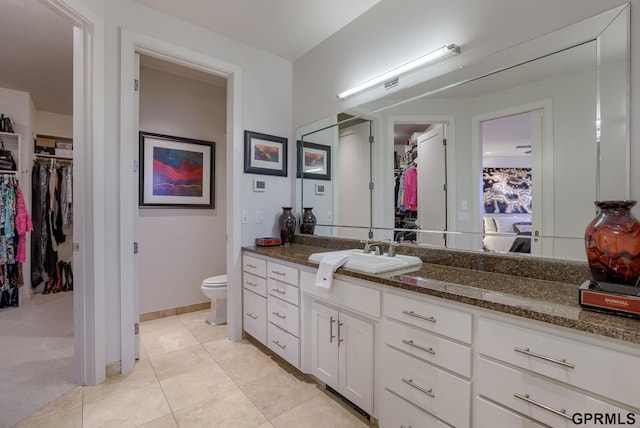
(542,300)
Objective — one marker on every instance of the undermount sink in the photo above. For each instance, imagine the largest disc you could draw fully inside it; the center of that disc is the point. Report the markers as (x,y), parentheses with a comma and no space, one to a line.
(371,262)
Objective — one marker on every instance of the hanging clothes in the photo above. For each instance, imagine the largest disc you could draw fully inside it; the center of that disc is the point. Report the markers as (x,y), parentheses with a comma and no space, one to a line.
(52,215)
(14,225)
(411,189)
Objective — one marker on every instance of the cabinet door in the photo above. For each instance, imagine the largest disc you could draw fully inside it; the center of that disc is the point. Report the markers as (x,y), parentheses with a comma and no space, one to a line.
(324,344)
(355,348)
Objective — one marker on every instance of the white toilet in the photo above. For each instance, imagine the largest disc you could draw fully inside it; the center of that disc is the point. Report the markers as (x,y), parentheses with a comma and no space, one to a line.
(215,288)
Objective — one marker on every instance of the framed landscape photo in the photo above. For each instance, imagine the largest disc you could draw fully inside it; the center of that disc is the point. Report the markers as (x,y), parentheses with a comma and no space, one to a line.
(265,154)
(176,172)
(314,161)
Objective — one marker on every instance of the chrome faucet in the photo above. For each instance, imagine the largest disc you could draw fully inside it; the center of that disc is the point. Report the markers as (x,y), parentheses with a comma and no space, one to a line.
(369,245)
(392,248)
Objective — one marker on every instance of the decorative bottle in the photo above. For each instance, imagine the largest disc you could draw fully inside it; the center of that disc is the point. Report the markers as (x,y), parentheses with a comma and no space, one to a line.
(612,242)
(308,223)
(287,225)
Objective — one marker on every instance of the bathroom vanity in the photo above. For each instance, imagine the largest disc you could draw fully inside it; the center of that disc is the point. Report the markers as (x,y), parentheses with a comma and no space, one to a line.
(447,346)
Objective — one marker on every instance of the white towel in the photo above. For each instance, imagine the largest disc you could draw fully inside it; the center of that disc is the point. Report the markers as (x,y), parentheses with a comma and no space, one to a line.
(328,265)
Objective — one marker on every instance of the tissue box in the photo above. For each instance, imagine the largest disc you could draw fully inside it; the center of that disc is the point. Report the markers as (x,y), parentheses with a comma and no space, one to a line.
(268,242)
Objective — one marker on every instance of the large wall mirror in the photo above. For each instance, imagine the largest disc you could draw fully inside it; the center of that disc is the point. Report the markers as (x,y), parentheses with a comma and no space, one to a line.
(507,154)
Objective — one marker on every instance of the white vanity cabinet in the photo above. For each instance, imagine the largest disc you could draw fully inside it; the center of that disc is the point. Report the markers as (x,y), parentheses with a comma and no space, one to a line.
(341,344)
(254,297)
(283,311)
(426,361)
(550,375)
(343,353)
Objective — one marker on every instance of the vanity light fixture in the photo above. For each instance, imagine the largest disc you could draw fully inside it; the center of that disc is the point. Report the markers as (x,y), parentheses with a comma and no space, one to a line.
(438,54)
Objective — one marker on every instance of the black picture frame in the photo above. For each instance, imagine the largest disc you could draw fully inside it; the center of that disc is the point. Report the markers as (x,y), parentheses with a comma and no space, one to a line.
(265,154)
(176,172)
(314,161)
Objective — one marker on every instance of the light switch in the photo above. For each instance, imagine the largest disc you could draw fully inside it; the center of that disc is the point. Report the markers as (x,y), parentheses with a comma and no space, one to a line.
(245,217)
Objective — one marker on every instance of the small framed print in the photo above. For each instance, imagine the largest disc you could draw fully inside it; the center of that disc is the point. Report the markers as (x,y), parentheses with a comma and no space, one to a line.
(314,161)
(319,189)
(176,172)
(265,154)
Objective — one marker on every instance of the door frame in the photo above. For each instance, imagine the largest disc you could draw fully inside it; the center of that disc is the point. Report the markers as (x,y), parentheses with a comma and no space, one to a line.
(131,43)
(542,221)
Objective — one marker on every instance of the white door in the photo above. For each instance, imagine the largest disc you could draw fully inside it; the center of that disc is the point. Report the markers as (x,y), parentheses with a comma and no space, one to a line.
(136,240)
(324,344)
(355,345)
(432,181)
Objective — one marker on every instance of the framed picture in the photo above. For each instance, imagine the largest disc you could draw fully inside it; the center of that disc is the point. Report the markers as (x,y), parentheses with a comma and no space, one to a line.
(176,172)
(265,154)
(314,161)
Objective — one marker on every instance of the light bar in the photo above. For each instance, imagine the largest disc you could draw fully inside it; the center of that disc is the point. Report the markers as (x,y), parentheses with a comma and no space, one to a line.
(443,52)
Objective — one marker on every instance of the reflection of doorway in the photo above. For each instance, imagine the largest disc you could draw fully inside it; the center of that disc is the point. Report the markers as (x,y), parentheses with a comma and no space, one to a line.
(511,196)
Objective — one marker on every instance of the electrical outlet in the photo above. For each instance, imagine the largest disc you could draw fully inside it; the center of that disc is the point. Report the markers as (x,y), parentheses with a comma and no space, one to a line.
(245,217)
(329,217)
(258,217)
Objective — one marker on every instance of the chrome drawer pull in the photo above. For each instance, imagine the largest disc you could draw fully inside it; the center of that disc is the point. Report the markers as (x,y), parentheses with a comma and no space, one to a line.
(331,335)
(252,316)
(562,362)
(251,266)
(419,388)
(422,317)
(526,398)
(251,283)
(422,348)
(278,315)
(277,290)
(279,273)
(279,345)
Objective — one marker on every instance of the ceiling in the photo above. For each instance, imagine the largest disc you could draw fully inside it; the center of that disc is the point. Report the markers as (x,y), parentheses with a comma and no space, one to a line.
(37,48)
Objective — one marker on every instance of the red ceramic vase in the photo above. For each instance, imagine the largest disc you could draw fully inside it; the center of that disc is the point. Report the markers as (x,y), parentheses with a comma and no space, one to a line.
(287,225)
(612,242)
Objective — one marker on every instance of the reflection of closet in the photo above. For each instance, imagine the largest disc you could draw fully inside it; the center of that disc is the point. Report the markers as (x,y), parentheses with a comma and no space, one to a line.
(52,214)
(406,191)
(14,224)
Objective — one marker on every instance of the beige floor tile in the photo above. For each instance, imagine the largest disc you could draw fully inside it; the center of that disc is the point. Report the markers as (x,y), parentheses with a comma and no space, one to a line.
(250,366)
(130,408)
(195,386)
(278,392)
(165,335)
(182,361)
(68,418)
(141,376)
(164,422)
(230,410)
(320,409)
(265,425)
(227,350)
(206,332)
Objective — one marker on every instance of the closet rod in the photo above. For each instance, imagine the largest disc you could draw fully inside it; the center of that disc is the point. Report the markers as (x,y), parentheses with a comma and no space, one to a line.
(48,159)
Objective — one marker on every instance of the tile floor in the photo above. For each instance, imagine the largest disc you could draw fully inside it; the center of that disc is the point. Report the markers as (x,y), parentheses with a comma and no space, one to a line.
(190,375)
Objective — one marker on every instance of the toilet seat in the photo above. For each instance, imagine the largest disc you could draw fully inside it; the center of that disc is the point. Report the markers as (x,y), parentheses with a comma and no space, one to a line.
(215,281)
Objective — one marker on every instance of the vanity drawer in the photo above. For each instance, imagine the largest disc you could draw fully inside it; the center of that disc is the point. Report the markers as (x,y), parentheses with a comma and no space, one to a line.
(284,291)
(607,372)
(347,294)
(284,344)
(438,392)
(427,346)
(254,283)
(255,315)
(396,412)
(254,265)
(282,273)
(490,415)
(438,319)
(545,401)
(284,315)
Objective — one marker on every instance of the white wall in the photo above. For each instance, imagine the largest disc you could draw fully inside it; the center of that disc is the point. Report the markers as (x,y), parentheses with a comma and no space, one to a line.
(54,124)
(265,100)
(181,247)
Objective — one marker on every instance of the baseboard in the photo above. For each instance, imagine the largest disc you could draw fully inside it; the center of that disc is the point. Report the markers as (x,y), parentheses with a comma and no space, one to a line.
(175,311)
